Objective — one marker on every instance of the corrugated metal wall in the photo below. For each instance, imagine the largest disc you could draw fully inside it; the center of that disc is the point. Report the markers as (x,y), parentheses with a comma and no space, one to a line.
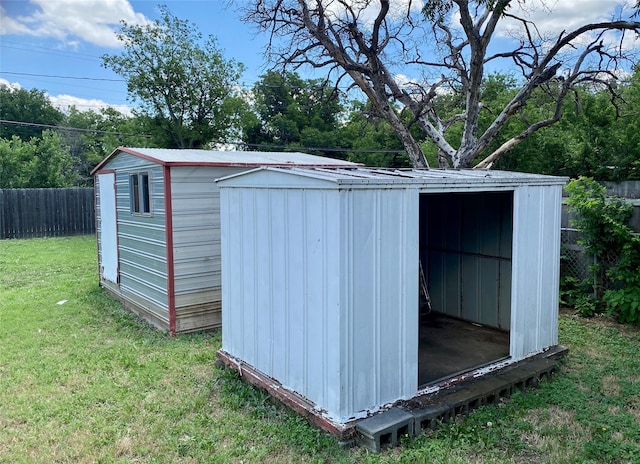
(141,239)
(196,245)
(378,249)
(281,286)
(316,291)
(536,269)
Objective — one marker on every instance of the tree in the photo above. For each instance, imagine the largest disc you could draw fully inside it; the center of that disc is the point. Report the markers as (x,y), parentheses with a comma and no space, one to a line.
(96,134)
(371,139)
(181,84)
(38,163)
(593,138)
(373,42)
(31,108)
(294,112)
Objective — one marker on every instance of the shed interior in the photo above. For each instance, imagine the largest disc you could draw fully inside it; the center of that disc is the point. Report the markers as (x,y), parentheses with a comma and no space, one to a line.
(465,242)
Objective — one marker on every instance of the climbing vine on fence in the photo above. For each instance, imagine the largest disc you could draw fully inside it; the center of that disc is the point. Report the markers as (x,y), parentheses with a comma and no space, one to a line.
(607,237)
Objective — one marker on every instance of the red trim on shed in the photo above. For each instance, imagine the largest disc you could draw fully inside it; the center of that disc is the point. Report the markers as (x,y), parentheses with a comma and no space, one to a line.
(328,164)
(234,164)
(168,225)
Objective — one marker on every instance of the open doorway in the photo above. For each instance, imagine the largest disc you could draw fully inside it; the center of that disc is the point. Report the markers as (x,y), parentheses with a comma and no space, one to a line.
(465,254)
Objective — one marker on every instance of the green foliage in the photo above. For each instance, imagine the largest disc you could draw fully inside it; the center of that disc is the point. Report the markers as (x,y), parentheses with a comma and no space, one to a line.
(624,301)
(26,106)
(102,132)
(592,139)
(38,163)
(181,83)
(291,112)
(606,235)
(363,131)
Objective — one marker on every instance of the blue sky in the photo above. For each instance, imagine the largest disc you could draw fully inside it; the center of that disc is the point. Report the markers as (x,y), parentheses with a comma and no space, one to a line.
(40,39)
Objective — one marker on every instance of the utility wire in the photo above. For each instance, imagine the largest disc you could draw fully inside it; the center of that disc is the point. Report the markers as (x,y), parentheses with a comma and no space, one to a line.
(70,129)
(241,144)
(63,77)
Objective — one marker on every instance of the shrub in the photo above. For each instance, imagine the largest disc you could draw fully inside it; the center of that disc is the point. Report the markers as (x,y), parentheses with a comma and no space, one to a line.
(606,236)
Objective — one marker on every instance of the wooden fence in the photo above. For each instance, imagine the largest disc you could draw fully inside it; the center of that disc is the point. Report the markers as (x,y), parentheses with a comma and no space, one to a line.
(55,212)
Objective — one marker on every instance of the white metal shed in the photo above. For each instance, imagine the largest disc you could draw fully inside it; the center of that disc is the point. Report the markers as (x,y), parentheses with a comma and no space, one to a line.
(158,228)
(321,279)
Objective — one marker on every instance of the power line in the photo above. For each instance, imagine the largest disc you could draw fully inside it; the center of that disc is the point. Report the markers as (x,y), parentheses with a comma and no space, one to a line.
(244,85)
(49,51)
(63,77)
(338,150)
(70,129)
(243,144)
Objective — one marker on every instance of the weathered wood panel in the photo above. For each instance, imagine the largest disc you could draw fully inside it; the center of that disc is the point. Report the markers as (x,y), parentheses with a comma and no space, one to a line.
(51,212)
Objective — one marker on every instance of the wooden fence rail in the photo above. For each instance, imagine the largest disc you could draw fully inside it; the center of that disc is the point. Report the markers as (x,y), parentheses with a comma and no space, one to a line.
(55,212)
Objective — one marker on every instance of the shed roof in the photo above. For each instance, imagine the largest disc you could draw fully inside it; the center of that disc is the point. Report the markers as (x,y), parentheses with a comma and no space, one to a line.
(189,157)
(422,178)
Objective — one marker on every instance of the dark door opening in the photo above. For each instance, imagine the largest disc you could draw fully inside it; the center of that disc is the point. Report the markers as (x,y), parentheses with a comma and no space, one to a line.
(465,252)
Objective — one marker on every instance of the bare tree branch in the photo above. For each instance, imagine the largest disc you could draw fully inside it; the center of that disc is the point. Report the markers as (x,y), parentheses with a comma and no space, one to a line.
(372,41)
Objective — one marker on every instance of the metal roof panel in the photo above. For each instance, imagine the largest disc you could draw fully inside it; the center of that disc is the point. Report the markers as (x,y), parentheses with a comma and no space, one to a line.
(191,157)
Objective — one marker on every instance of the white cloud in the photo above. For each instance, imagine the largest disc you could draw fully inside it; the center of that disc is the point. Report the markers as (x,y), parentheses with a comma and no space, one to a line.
(93,21)
(11,85)
(63,102)
(553,17)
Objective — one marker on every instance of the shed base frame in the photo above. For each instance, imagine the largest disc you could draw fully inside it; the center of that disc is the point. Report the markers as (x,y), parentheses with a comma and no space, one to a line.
(137,309)
(197,318)
(442,403)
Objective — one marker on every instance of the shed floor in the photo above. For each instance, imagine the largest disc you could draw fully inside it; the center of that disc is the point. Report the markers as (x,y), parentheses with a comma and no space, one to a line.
(448,346)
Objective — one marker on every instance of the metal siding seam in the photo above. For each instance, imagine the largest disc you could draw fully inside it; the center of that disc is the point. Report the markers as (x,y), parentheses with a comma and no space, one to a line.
(325,317)
(168,220)
(403,287)
(305,296)
(557,218)
(348,282)
(524,292)
(287,302)
(239,237)
(528,292)
(376,271)
(239,315)
(514,328)
(543,253)
(270,279)
(256,287)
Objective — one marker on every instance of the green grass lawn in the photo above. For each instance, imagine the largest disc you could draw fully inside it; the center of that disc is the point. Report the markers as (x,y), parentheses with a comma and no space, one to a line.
(82,380)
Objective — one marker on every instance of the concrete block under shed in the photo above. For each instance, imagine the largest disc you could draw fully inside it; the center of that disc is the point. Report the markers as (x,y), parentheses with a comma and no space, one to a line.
(385,429)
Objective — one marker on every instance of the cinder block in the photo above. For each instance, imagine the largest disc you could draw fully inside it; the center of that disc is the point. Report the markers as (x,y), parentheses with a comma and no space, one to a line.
(490,389)
(428,417)
(385,429)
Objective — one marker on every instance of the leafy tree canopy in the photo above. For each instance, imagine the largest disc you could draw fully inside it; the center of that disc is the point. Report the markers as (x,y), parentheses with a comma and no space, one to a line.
(291,112)
(38,163)
(180,82)
(26,107)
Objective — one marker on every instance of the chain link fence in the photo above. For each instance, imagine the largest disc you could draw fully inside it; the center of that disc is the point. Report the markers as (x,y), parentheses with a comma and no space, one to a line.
(574,262)
(577,265)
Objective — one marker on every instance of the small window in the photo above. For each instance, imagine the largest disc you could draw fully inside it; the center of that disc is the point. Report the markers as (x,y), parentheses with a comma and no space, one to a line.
(139,191)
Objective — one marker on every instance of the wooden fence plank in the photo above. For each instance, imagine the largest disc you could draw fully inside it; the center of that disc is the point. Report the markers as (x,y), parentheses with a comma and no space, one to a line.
(26,213)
